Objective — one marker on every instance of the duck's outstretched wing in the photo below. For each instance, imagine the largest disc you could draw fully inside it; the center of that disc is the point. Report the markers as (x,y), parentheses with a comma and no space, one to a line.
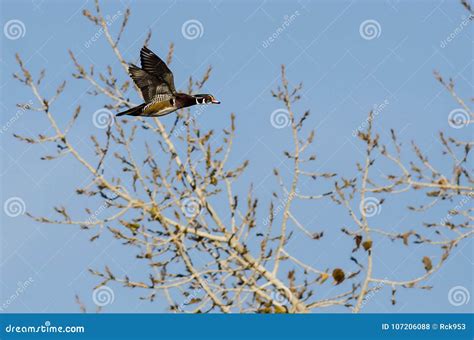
(152,88)
(156,67)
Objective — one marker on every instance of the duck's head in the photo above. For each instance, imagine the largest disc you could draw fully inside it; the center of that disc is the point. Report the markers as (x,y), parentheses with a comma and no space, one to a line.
(206,99)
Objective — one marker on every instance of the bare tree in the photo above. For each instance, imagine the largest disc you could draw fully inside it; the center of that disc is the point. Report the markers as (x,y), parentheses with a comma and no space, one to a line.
(162,201)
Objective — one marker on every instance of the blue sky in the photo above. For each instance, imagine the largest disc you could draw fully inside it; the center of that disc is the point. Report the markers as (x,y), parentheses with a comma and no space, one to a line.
(344,76)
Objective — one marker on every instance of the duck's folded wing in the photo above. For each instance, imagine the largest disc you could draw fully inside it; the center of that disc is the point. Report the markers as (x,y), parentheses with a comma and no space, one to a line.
(154,66)
(152,88)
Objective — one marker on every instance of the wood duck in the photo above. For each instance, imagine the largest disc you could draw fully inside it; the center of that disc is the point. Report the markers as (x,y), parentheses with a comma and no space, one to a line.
(156,83)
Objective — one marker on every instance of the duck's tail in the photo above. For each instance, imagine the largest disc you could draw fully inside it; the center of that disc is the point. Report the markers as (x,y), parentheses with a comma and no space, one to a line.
(134,111)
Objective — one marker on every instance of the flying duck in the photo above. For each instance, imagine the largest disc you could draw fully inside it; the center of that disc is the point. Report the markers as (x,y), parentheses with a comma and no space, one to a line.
(156,83)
